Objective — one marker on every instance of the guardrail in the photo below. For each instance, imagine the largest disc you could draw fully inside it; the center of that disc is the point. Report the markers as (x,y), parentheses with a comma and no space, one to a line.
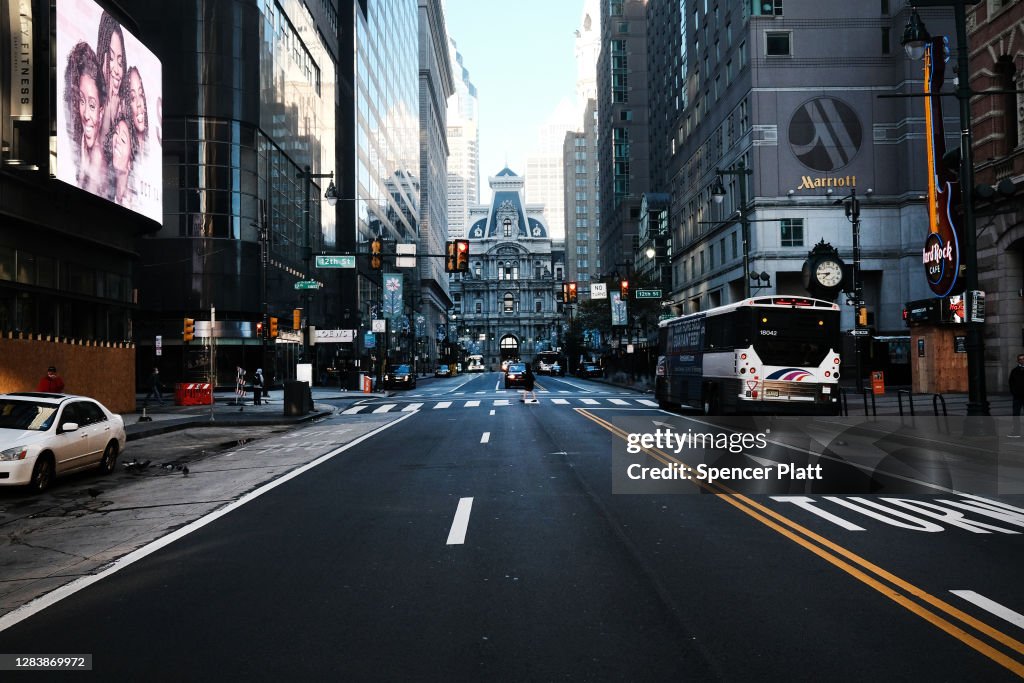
(910,400)
(936,398)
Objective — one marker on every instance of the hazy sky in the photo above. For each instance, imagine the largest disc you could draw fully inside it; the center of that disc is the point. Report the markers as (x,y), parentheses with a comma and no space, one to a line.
(520,57)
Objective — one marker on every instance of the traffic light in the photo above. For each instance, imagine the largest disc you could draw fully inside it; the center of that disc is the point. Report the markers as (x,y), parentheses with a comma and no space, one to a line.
(572,293)
(862,316)
(451,260)
(259,330)
(564,296)
(462,255)
(624,289)
(273,328)
(296,318)
(188,330)
(376,256)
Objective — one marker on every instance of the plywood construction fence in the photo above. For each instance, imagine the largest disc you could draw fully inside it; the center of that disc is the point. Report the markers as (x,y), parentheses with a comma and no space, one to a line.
(938,359)
(103,370)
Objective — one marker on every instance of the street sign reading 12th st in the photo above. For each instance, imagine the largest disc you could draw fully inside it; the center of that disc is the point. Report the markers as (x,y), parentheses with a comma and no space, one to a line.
(344,261)
(648,294)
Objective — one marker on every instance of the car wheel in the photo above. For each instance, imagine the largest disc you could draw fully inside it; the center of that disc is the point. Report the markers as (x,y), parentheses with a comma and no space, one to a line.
(42,474)
(109,460)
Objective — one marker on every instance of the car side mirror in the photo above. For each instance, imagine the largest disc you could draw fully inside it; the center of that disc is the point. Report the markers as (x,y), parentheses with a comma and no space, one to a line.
(69,427)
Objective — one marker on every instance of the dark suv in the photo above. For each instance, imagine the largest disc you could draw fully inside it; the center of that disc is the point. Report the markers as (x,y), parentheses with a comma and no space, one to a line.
(400,377)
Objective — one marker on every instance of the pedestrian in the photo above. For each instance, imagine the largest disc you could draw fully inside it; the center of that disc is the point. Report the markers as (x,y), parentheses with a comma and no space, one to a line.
(529,380)
(257,387)
(1017,391)
(51,382)
(154,387)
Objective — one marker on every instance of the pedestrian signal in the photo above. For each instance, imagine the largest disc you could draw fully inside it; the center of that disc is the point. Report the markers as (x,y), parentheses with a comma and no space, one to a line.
(259,330)
(273,328)
(376,255)
(862,316)
(188,330)
(451,260)
(572,293)
(462,255)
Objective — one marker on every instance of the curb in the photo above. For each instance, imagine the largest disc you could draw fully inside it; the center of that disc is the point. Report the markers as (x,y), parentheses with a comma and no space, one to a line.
(178,424)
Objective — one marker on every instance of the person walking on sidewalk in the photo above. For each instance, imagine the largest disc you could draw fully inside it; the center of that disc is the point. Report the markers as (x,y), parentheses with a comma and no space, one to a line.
(1017,391)
(257,387)
(51,382)
(154,387)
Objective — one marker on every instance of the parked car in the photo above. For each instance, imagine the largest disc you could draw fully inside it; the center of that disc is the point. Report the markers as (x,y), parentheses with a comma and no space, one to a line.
(591,370)
(515,375)
(43,436)
(400,377)
(443,371)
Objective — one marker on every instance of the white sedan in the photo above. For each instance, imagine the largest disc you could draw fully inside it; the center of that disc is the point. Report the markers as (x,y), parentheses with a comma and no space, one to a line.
(43,436)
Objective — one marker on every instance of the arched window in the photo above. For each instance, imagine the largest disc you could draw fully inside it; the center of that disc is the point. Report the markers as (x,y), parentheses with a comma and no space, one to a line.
(508,227)
(515,271)
(509,303)
(501,271)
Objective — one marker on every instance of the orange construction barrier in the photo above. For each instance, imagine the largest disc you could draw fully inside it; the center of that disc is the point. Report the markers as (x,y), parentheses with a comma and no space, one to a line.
(193,394)
(367,384)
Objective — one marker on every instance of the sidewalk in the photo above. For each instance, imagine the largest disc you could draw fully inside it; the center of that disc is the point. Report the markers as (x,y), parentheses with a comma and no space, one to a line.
(228,411)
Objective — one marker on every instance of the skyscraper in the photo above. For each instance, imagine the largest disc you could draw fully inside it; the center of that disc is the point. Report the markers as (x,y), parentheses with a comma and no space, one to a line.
(463,146)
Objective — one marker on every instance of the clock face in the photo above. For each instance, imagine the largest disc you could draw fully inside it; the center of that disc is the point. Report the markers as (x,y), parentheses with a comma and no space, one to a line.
(828,274)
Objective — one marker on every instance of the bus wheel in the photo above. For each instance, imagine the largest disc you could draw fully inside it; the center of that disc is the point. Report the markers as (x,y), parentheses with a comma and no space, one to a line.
(709,401)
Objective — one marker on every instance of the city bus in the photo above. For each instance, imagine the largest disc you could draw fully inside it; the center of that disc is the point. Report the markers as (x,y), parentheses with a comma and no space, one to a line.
(475,363)
(549,363)
(768,354)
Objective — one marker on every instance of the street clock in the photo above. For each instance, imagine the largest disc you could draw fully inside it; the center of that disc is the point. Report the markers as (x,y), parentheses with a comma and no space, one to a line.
(823,272)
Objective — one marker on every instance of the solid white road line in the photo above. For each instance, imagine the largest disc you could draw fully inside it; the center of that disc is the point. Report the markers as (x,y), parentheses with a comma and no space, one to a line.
(353,411)
(647,402)
(485,438)
(472,404)
(442,404)
(992,606)
(385,408)
(618,401)
(497,385)
(457,535)
(42,602)
(560,401)
(411,407)
(502,402)
(590,401)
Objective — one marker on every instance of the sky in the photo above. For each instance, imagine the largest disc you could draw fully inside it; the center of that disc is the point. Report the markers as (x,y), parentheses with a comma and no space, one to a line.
(520,56)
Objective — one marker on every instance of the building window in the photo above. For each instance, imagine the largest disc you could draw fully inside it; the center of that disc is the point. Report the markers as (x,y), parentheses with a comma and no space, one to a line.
(732,244)
(477,269)
(538,306)
(508,303)
(479,306)
(886,48)
(792,232)
(776,43)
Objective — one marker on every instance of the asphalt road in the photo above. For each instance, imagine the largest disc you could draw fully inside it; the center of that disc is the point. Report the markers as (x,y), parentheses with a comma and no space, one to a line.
(479,538)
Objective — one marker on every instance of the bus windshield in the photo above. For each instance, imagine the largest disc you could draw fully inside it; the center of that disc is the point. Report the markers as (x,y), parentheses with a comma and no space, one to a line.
(796,337)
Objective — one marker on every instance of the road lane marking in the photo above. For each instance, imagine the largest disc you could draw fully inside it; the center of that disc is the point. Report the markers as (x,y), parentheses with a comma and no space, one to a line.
(353,411)
(992,606)
(590,401)
(497,385)
(485,438)
(457,534)
(897,589)
(560,401)
(411,407)
(37,605)
(442,404)
(472,404)
(618,401)
(502,402)
(385,408)
(492,412)
(647,402)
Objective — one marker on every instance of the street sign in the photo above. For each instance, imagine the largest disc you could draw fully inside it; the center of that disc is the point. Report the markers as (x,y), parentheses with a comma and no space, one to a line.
(307,284)
(379,325)
(159,345)
(348,261)
(860,333)
(334,336)
(598,290)
(648,294)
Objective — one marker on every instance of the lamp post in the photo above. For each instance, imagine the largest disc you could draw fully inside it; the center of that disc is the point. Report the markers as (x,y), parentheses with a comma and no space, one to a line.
(331,195)
(915,38)
(852,206)
(718,194)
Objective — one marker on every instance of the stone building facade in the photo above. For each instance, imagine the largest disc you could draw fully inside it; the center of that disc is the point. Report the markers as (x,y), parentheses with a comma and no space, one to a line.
(506,305)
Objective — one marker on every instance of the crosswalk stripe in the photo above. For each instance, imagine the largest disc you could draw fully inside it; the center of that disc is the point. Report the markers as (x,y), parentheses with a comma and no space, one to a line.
(560,401)
(412,407)
(353,411)
(590,401)
(647,402)
(618,401)
(562,391)
(385,408)
(502,402)
(442,404)
(472,404)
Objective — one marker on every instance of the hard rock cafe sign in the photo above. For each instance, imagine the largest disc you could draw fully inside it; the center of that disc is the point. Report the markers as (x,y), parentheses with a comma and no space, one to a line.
(941,253)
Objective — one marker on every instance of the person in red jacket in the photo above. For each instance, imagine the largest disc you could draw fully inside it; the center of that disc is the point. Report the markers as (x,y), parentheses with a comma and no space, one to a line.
(51,382)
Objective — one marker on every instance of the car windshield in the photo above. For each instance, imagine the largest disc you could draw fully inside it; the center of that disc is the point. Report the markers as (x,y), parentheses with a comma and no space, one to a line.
(401,369)
(517,367)
(26,415)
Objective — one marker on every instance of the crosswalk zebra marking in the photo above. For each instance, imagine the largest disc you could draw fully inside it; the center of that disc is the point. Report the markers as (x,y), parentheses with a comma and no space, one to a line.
(354,410)
(442,404)
(385,408)
(647,402)
(560,401)
(590,401)
(502,402)
(412,407)
(472,404)
(618,401)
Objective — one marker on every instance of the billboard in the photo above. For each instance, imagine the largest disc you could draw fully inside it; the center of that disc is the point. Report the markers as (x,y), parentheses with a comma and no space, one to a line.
(109,104)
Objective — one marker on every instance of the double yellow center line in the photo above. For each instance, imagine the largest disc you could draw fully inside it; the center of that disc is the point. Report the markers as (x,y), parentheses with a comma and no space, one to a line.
(936,611)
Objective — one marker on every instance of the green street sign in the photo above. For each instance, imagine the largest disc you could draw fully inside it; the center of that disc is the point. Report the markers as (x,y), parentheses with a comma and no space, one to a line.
(348,261)
(307,284)
(648,294)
